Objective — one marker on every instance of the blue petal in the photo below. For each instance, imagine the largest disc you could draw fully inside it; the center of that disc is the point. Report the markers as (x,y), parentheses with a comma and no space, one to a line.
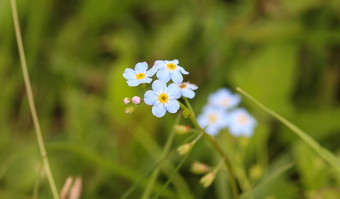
(133,82)
(129,74)
(192,86)
(146,80)
(159,86)
(173,91)
(150,97)
(163,74)
(182,70)
(158,110)
(188,93)
(152,71)
(141,67)
(172,106)
(175,61)
(177,77)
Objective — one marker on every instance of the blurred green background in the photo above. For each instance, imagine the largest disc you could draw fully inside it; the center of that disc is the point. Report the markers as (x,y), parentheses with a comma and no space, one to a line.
(286,53)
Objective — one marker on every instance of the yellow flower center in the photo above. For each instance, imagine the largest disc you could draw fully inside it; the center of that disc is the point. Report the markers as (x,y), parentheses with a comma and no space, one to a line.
(242,119)
(225,102)
(163,98)
(171,66)
(183,86)
(140,76)
(212,118)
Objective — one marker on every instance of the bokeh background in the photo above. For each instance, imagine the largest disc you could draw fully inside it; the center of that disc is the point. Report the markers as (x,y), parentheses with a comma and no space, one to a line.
(286,53)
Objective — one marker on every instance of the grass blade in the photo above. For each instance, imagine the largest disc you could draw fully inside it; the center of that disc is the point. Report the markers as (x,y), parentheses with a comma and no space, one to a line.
(322,152)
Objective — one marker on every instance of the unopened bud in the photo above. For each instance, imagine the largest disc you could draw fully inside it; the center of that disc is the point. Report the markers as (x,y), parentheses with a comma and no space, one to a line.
(186,113)
(207,179)
(256,172)
(181,129)
(199,168)
(136,100)
(184,149)
(129,110)
(126,101)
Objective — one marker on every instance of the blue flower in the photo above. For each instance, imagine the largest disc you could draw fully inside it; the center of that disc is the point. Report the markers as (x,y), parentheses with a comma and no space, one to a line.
(163,98)
(139,75)
(224,98)
(187,89)
(215,118)
(169,70)
(241,123)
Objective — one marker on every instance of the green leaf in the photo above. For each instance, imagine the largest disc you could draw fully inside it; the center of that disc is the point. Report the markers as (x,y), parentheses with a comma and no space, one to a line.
(324,153)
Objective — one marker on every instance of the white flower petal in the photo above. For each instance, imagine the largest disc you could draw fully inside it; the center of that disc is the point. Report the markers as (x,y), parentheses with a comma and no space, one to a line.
(158,110)
(150,97)
(172,106)
(174,91)
(159,86)
(146,80)
(192,86)
(151,72)
(175,61)
(129,74)
(141,67)
(188,93)
(133,82)
(182,70)
(163,74)
(177,77)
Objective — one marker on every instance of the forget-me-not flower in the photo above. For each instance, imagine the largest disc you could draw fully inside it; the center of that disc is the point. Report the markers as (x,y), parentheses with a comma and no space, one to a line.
(163,98)
(169,70)
(224,98)
(187,89)
(140,75)
(241,123)
(214,118)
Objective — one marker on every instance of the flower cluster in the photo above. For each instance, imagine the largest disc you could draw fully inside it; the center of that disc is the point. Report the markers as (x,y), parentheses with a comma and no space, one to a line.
(164,94)
(221,112)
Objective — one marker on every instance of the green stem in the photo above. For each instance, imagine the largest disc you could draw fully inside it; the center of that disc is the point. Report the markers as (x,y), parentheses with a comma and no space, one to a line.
(31,101)
(155,174)
(213,142)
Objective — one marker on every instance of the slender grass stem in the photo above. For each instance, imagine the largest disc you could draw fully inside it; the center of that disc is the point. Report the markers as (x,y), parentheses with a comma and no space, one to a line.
(332,159)
(213,142)
(31,101)
(155,174)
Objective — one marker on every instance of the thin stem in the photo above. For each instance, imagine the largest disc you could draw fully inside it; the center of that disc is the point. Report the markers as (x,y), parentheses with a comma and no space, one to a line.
(36,186)
(31,101)
(155,174)
(217,147)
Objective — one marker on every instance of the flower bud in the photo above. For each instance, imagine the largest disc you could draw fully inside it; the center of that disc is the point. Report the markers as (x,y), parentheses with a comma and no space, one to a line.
(255,172)
(207,179)
(184,149)
(129,110)
(181,129)
(186,113)
(126,101)
(136,100)
(199,168)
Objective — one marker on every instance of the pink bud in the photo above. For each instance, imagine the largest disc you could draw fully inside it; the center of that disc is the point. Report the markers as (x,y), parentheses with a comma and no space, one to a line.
(136,100)
(126,100)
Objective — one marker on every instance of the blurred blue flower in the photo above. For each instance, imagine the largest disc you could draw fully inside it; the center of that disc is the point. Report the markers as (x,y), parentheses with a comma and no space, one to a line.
(169,70)
(241,123)
(187,89)
(224,98)
(163,98)
(214,119)
(140,75)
